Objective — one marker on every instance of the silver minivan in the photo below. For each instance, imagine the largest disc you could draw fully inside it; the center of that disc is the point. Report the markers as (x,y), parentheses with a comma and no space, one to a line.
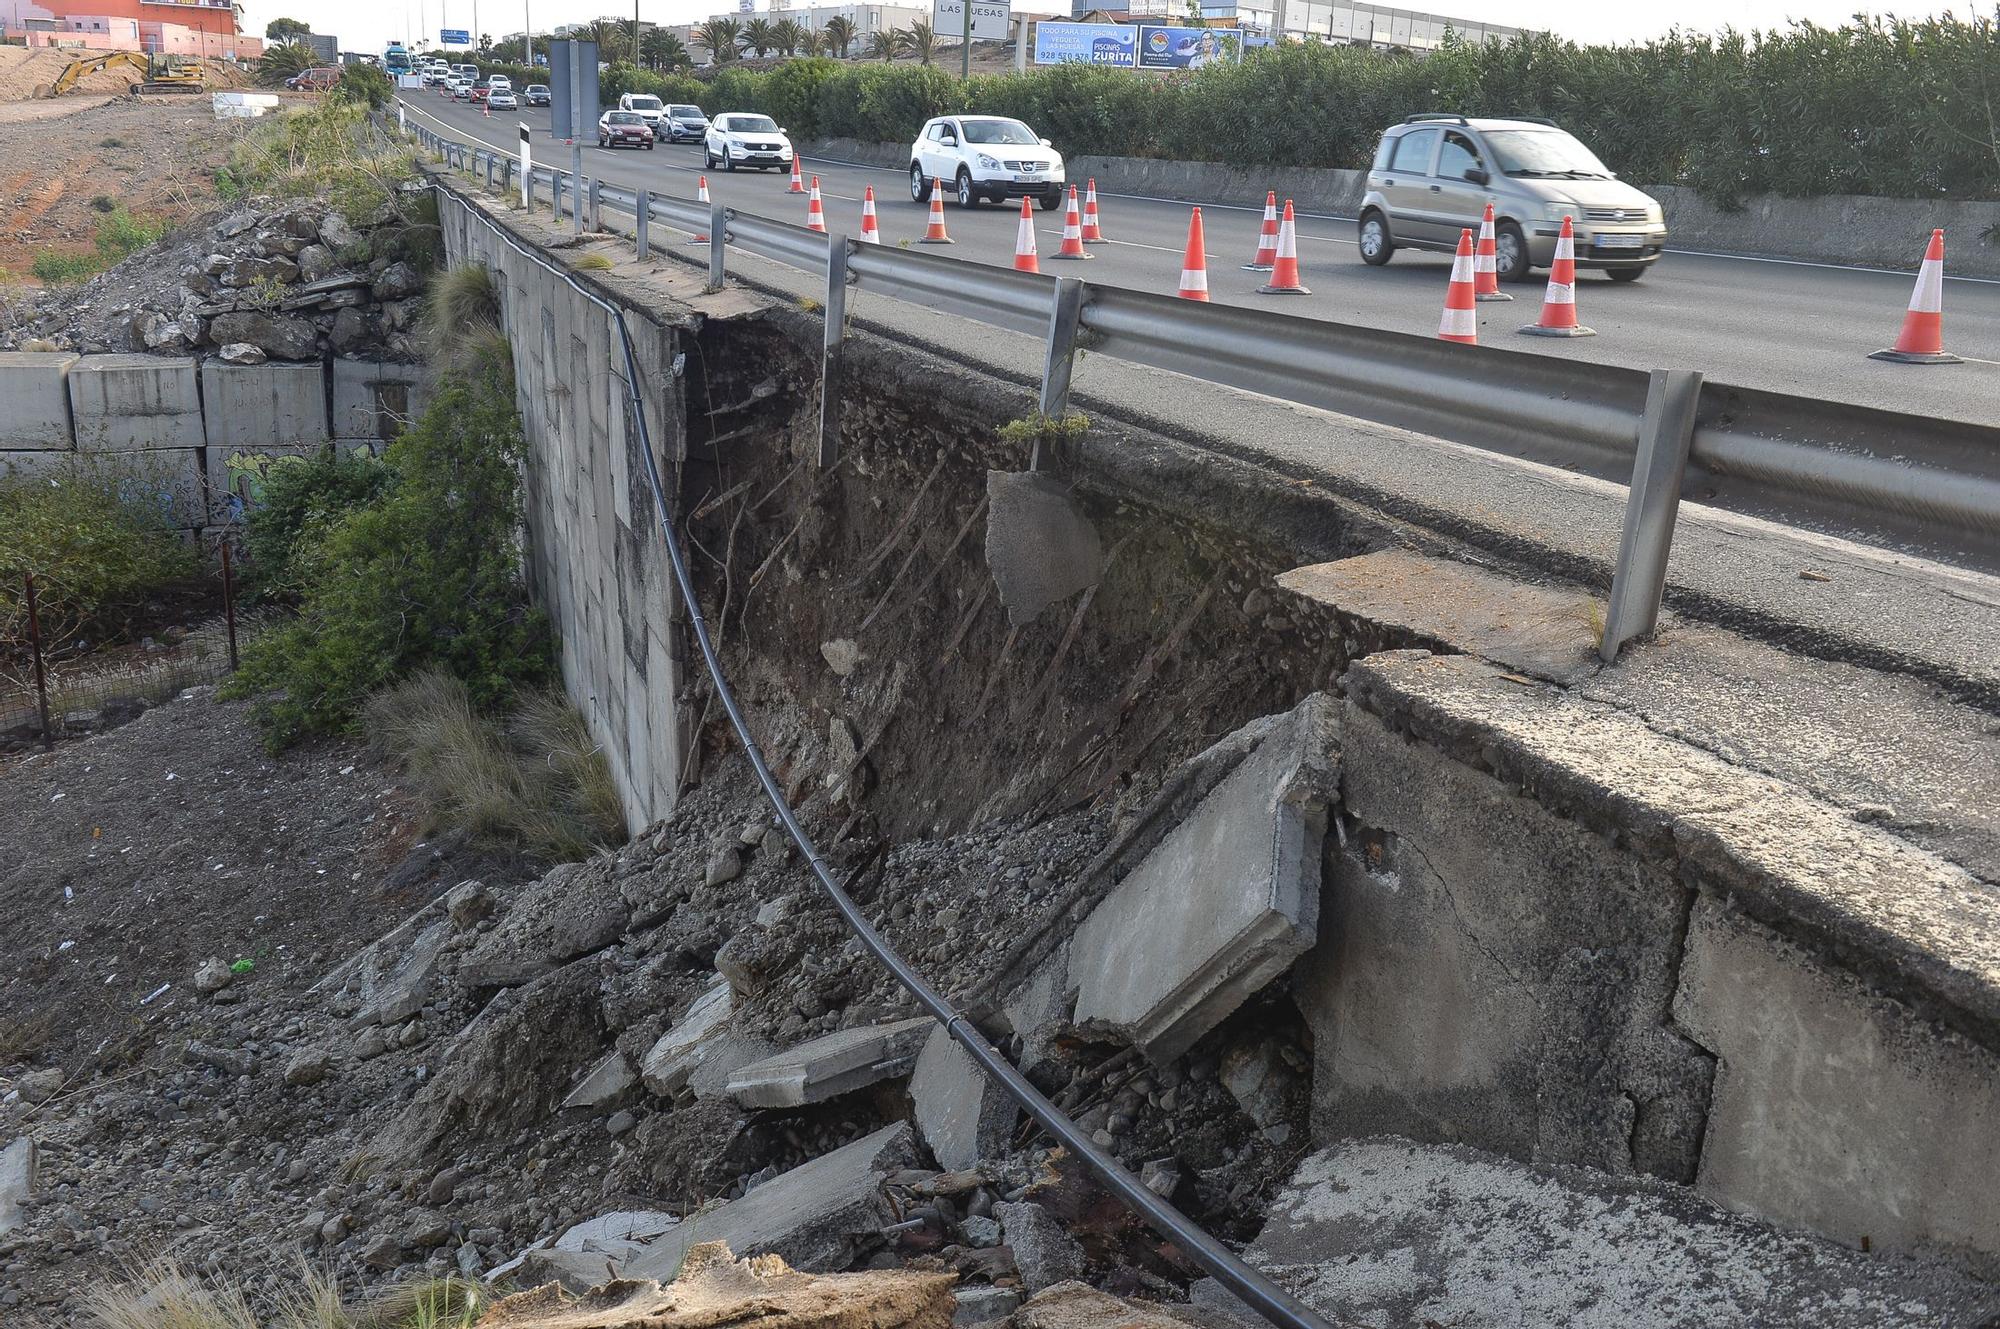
(1433,176)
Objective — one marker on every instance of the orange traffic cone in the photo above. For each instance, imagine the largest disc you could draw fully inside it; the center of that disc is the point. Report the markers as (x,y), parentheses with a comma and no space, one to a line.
(1194,263)
(1285,263)
(1024,241)
(1486,263)
(1267,239)
(869,234)
(1093,234)
(1072,239)
(815,215)
(798,184)
(1559,305)
(700,196)
(1922,342)
(1458,323)
(935,235)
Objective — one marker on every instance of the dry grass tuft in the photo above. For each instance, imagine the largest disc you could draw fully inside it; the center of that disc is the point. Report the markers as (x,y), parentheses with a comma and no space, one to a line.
(165,1296)
(463,320)
(162,1295)
(594,263)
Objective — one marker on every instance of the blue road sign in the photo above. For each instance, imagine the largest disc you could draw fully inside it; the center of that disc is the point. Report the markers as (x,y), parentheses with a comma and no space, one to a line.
(454,37)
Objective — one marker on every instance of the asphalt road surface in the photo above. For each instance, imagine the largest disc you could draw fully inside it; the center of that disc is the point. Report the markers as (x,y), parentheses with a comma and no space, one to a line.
(1785,327)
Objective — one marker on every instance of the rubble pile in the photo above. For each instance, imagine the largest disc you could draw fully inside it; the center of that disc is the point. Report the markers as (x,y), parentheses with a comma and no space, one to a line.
(269,280)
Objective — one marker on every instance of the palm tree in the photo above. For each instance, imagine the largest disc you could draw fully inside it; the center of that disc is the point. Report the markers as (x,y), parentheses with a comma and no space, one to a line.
(663,50)
(840,33)
(889,44)
(814,43)
(720,36)
(283,61)
(786,34)
(607,33)
(922,42)
(759,36)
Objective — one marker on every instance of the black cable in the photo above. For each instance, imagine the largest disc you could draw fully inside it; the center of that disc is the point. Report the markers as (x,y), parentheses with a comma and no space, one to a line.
(1254,1288)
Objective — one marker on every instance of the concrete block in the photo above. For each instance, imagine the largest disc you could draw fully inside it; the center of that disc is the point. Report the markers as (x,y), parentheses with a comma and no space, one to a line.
(1385,1231)
(34,399)
(263,406)
(20,1163)
(1044,1251)
(377,400)
(817,1217)
(703,1050)
(1221,906)
(1835,1109)
(961,1113)
(236,476)
(1040,546)
(164,483)
(130,403)
(618,1235)
(399,993)
(573,910)
(838,1063)
(604,1083)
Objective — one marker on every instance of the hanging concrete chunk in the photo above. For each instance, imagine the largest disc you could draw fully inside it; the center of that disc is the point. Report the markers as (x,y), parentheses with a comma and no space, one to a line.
(603,1083)
(1039,544)
(838,1063)
(963,1114)
(1224,904)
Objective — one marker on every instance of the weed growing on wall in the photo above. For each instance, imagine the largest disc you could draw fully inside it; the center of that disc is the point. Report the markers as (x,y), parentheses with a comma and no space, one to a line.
(299,501)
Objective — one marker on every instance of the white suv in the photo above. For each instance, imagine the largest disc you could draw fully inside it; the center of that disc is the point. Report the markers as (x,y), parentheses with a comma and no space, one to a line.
(742,139)
(647,106)
(985,156)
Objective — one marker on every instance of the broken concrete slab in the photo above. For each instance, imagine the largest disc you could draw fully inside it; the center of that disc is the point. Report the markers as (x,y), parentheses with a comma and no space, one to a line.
(1835,1109)
(617,1235)
(963,1115)
(703,1050)
(1386,1231)
(1044,1252)
(1040,546)
(1548,631)
(1221,906)
(20,1164)
(815,1215)
(575,909)
(604,1083)
(393,997)
(715,1289)
(837,1063)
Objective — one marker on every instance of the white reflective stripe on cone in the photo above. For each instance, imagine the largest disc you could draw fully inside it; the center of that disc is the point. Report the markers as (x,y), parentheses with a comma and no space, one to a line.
(1928,297)
(1560,293)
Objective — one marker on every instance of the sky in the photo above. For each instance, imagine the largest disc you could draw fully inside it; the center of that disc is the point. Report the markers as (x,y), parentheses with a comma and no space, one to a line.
(368,25)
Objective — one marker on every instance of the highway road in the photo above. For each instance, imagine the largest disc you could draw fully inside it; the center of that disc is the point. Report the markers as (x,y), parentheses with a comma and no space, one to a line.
(1786,327)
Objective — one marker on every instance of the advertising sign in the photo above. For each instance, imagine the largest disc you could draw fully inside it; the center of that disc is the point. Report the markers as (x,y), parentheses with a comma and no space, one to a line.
(989,19)
(1086,43)
(454,37)
(1188,48)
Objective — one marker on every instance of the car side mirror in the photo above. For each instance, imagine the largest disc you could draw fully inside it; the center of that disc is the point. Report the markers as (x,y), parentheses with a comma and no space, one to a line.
(1477,175)
(1047,144)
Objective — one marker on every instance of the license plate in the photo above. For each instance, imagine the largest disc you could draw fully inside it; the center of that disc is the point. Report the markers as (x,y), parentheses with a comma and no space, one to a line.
(1027,178)
(1621,241)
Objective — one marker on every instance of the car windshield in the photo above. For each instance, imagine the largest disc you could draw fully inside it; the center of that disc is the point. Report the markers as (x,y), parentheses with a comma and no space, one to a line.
(1544,152)
(685,112)
(645,103)
(752,124)
(626,118)
(537,87)
(999,131)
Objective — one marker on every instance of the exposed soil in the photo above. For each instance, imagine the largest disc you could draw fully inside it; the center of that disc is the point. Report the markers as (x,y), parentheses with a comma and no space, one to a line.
(28,75)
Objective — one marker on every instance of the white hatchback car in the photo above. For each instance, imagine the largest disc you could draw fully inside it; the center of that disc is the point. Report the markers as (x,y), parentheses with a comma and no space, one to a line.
(985,156)
(742,139)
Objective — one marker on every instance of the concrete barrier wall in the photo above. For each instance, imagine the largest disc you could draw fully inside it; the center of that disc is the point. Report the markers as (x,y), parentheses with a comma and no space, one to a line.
(593,541)
(194,437)
(1836,228)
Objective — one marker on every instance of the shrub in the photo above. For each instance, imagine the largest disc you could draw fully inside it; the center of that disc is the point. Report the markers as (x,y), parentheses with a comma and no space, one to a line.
(734,89)
(59,269)
(791,93)
(300,500)
(332,151)
(98,542)
(120,234)
(428,575)
(364,85)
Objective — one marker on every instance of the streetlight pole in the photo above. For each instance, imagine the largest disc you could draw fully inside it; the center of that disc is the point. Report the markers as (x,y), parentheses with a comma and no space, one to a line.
(965,43)
(635,34)
(527,37)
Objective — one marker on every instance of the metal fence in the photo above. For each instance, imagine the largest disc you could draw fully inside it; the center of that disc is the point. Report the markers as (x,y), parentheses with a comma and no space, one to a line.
(1910,481)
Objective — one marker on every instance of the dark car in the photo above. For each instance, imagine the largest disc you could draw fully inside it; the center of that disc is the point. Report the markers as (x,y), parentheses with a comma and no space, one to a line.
(537,94)
(623,127)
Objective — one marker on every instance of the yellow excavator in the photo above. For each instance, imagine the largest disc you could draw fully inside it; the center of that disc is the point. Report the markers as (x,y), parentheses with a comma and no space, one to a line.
(163,73)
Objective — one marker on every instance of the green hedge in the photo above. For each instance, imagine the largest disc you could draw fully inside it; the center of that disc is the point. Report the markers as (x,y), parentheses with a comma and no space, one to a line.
(1887,106)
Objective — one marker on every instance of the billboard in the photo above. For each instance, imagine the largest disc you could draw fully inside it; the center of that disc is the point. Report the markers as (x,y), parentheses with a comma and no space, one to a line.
(1122,46)
(454,37)
(1086,43)
(989,19)
(572,89)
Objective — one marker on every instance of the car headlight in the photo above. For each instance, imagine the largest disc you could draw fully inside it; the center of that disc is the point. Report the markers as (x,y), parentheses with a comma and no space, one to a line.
(1655,215)
(988,163)
(1555,212)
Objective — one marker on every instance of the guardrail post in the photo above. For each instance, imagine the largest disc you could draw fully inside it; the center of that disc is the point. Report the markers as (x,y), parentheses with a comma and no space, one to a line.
(1060,358)
(830,384)
(596,197)
(1651,508)
(642,212)
(528,192)
(718,236)
(556,192)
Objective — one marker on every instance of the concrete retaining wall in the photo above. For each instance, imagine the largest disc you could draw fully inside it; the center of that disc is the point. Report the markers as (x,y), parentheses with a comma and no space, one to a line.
(594,553)
(1837,228)
(192,436)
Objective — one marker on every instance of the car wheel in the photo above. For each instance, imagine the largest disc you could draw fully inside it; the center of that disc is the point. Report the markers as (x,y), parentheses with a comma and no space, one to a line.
(1377,245)
(920,184)
(1052,200)
(1511,260)
(967,196)
(603,142)
(728,162)
(1625,274)
(649,145)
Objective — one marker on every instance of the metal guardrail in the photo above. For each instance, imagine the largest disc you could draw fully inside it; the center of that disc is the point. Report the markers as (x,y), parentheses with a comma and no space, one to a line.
(1914,481)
